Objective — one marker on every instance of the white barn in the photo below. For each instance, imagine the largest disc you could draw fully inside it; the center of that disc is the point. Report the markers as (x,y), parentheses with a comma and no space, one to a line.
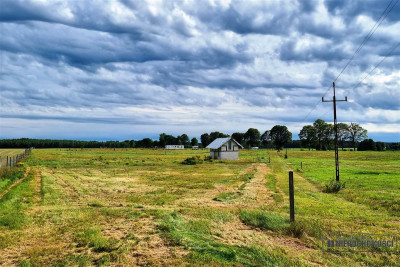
(224,148)
(174,147)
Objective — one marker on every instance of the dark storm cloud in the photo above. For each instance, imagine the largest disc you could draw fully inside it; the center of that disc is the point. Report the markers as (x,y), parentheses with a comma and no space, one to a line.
(175,62)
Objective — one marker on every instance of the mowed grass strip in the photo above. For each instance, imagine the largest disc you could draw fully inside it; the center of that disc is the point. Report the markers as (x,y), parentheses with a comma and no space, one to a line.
(371,177)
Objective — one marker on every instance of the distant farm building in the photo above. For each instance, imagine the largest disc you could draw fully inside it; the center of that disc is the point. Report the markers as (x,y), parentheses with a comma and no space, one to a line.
(174,147)
(224,148)
(195,147)
(254,148)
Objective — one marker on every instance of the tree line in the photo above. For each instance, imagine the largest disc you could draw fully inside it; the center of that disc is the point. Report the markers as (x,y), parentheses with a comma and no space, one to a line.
(319,136)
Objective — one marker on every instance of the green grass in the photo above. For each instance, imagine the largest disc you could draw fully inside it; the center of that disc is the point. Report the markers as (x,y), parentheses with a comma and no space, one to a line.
(93,237)
(226,197)
(9,176)
(14,203)
(371,177)
(264,220)
(195,236)
(128,207)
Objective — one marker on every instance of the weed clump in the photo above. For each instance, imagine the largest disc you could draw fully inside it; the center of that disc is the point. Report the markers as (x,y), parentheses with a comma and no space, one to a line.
(267,221)
(192,160)
(226,197)
(333,186)
(307,227)
(93,237)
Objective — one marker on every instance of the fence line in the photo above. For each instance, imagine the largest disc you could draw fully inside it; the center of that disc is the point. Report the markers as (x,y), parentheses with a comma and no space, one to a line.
(11,161)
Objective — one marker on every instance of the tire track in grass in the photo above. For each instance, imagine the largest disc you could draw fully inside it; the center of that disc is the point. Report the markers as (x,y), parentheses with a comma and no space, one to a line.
(256,190)
(28,169)
(37,182)
(71,194)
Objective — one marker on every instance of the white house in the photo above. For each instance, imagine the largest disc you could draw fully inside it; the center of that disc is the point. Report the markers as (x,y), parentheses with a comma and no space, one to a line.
(174,147)
(224,148)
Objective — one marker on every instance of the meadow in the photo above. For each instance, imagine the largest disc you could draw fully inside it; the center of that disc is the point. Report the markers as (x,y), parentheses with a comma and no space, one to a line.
(143,207)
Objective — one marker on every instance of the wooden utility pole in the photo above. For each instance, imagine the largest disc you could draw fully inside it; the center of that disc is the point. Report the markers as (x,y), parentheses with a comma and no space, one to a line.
(335,128)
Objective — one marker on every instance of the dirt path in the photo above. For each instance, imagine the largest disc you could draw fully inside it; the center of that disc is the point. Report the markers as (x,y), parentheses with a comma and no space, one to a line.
(28,169)
(256,190)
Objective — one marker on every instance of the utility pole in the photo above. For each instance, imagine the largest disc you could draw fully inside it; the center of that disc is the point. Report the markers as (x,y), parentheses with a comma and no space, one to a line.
(335,129)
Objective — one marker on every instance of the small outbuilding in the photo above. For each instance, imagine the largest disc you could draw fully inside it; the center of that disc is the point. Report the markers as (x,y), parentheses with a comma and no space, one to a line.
(224,148)
(174,147)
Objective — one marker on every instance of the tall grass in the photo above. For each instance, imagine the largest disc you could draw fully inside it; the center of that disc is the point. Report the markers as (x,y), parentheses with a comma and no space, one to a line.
(263,220)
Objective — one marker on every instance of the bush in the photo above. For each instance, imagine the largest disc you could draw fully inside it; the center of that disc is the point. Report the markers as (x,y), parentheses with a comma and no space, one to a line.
(192,161)
(334,186)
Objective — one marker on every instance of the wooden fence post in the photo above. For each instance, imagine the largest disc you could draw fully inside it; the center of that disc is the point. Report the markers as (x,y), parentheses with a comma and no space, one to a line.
(291,196)
(301,165)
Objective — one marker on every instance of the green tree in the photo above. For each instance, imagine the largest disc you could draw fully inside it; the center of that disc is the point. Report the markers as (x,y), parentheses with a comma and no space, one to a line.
(307,137)
(205,139)
(215,135)
(367,144)
(356,133)
(184,140)
(238,137)
(343,133)
(162,140)
(280,136)
(380,146)
(266,139)
(252,137)
(194,142)
(323,134)
(328,136)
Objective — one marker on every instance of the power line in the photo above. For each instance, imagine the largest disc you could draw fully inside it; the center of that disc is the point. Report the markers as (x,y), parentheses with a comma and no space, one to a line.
(382,17)
(376,66)
(369,73)
(368,36)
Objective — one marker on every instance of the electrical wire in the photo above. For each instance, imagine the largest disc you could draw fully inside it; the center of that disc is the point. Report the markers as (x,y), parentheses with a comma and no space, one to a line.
(384,14)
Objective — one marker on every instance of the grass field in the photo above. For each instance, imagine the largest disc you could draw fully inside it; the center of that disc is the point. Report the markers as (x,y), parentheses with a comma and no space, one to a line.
(94,207)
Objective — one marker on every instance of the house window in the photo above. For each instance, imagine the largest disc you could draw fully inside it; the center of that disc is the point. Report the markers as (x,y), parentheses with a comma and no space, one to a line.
(229,145)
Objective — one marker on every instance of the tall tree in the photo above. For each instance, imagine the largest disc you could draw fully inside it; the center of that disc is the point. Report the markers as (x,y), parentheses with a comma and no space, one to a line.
(238,137)
(367,144)
(328,136)
(194,142)
(380,146)
(215,135)
(307,136)
(280,136)
(205,139)
(356,133)
(162,140)
(252,137)
(184,140)
(323,134)
(343,130)
(266,139)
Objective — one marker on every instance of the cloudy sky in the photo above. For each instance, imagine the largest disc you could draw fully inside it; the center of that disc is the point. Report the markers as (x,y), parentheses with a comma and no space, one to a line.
(129,69)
